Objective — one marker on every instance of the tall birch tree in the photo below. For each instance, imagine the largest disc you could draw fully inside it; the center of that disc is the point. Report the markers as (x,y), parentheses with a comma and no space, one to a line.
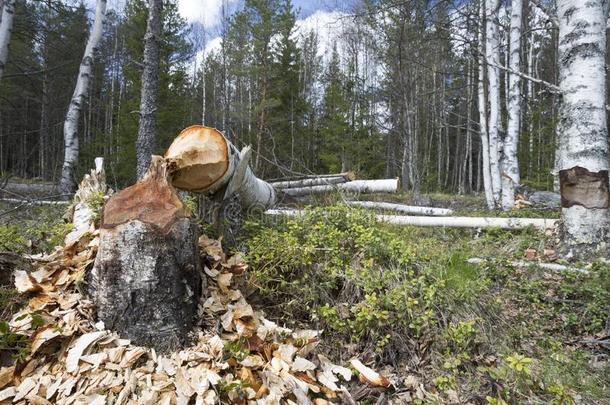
(482,98)
(492,50)
(582,128)
(6,28)
(145,143)
(66,183)
(510,165)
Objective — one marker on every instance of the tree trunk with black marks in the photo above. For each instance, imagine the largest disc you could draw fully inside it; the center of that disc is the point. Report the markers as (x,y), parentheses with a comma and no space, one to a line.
(145,144)
(582,128)
(6,28)
(71,148)
(146,279)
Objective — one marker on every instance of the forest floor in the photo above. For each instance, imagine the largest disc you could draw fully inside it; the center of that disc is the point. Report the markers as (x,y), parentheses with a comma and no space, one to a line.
(406,301)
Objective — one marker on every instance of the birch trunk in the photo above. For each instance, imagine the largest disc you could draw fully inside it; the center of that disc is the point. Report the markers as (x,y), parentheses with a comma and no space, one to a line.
(201,159)
(145,143)
(582,128)
(356,186)
(492,47)
(452,222)
(6,28)
(483,114)
(405,209)
(315,181)
(510,169)
(66,183)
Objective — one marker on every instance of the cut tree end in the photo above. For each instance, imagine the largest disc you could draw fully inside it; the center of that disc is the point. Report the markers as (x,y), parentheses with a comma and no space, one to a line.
(153,200)
(198,158)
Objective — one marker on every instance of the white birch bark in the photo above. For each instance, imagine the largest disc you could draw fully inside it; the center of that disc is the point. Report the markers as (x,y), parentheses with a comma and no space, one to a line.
(356,186)
(483,112)
(492,49)
(405,209)
(6,28)
(452,222)
(314,181)
(510,164)
(66,183)
(582,128)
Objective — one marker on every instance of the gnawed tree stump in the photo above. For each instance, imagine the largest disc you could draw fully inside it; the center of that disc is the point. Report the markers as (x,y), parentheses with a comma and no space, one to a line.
(146,279)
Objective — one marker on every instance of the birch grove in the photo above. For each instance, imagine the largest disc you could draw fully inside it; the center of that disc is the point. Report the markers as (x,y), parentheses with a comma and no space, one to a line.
(71,124)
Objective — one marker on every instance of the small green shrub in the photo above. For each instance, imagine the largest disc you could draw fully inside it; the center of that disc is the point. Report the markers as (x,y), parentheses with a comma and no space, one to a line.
(336,265)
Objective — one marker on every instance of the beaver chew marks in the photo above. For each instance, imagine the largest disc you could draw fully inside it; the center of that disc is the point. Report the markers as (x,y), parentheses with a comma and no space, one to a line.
(146,280)
(579,186)
(198,158)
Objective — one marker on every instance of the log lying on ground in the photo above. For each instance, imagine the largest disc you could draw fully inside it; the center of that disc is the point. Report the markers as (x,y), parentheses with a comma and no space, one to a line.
(545,266)
(356,186)
(33,202)
(456,222)
(146,281)
(202,160)
(315,181)
(407,209)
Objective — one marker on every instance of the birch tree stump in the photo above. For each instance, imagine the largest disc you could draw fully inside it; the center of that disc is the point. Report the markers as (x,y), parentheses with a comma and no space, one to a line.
(146,281)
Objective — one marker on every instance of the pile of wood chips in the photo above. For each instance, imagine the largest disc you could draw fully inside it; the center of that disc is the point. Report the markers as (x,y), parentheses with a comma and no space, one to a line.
(237,355)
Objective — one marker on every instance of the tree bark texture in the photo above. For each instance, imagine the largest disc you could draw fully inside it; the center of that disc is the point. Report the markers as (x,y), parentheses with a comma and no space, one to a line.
(6,28)
(356,186)
(450,222)
(145,143)
(67,182)
(492,50)
(146,279)
(482,99)
(510,165)
(582,129)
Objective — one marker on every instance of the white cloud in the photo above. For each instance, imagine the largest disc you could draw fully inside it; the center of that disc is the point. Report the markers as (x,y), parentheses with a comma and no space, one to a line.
(207,12)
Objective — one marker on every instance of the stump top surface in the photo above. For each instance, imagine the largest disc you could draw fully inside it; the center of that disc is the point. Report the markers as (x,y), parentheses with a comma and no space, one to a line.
(199,156)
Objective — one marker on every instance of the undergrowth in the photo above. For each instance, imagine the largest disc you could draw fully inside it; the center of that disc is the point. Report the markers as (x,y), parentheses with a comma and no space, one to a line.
(407,297)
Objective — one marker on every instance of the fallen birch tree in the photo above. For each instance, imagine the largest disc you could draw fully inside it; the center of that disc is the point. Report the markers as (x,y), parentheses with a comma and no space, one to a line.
(544,266)
(406,209)
(315,181)
(201,159)
(319,181)
(356,186)
(451,222)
